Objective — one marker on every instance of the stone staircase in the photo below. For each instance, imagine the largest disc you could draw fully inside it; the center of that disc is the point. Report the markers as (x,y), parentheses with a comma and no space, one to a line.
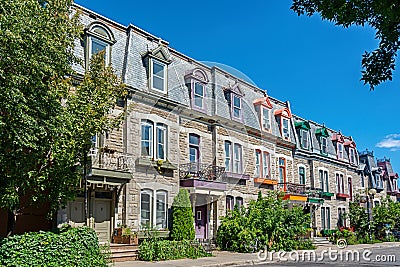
(124,252)
(321,241)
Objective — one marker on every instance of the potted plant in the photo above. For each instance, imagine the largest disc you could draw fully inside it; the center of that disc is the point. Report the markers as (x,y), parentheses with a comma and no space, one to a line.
(125,235)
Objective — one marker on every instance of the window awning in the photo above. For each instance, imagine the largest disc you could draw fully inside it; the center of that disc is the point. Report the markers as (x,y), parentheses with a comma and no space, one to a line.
(302,125)
(109,177)
(322,131)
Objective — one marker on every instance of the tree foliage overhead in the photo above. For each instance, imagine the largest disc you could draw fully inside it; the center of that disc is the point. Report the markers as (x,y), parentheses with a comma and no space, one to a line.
(45,122)
(382,15)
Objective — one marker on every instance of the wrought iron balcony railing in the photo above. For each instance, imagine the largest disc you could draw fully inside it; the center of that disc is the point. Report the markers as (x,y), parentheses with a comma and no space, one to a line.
(200,171)
(291,188)
(111,160)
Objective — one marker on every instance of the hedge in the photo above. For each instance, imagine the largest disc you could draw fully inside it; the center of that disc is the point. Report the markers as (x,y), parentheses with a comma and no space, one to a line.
(69,247)
(150,250)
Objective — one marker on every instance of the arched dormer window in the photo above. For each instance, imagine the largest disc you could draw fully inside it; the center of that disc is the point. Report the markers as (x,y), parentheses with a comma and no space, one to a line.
(197,80)
(263,107)
(98,38)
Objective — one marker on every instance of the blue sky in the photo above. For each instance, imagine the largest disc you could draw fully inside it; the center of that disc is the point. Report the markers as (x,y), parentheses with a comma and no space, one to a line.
(312,63)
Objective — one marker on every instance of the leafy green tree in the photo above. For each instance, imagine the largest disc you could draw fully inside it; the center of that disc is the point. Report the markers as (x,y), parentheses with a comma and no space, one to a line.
(182,217)
(359,220)
(45,122)
(381,15)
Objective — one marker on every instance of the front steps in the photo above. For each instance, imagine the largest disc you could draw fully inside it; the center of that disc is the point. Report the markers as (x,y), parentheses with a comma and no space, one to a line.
(321,241)
(123,252)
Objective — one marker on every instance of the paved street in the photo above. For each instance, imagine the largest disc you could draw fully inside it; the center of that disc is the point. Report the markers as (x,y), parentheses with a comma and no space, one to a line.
(383,254)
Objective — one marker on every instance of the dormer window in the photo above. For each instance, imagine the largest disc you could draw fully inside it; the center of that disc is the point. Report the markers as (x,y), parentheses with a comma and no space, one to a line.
(237,106)
(234,96)
(338,138)
(303,128)
(98,38)
(324,146)
(157,61)
(340,150)
(263,107)
(284,116)
(322,134)
(350,146)
(196,81)
(158,81)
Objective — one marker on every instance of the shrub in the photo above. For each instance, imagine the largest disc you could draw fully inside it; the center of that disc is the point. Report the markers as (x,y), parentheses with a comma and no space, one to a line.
(69,247)
(150,250)
(267,223)
(182,217)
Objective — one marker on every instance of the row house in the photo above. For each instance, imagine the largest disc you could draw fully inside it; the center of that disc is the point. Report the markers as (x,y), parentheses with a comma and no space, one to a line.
(327,164)
(199,127)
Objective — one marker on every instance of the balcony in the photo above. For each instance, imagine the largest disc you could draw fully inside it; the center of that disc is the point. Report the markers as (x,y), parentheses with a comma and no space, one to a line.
(201,176)
(314,196)
(111,160)
(293,191)
(109,167)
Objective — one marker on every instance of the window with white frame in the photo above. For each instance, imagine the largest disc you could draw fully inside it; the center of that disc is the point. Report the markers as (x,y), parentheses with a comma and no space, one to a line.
(228,156)
(237,158)
(258,163)
(265,164)
(146,208)
(304,138)
(341,217)
(96,45)
(148,146)
(340,150)
(230,202)
(158,75)
(198,95)
(282,170)
(350,187)
(285,128)
(324,180)
(302,175)
(153,208)
(161,209)
(239,202)
(194,148)
(325,218)
(161,133)
(339,183)
(324,145)
(266,119)
(237,106)
(147,139)
(352,155)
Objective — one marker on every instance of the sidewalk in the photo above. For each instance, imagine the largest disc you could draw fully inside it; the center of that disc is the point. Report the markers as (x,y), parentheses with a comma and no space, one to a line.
(224,258)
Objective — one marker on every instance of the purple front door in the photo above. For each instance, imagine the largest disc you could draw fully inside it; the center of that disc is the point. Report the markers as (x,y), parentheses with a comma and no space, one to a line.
(201,221)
